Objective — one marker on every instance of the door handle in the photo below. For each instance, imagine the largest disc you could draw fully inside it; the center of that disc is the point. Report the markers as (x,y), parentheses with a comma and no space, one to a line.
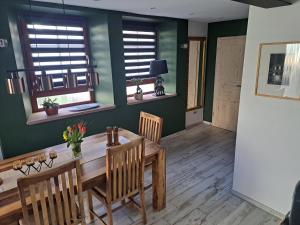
(238,85)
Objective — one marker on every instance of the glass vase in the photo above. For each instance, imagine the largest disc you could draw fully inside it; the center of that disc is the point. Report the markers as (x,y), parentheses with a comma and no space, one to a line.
(76,149)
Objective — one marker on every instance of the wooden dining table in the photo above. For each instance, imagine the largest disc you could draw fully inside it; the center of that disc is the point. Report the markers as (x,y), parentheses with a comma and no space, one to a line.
(93,170)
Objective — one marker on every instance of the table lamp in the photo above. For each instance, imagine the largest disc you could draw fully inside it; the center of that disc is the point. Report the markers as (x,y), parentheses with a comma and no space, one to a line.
(157,68)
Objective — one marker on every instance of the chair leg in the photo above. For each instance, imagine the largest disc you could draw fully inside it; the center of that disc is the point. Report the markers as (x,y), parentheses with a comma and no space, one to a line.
(123,202)
(90,202)
(143,206)
(109,214)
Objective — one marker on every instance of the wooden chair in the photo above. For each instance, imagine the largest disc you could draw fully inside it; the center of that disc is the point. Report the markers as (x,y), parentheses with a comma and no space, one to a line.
(150,127)
(124,179)
(52,196)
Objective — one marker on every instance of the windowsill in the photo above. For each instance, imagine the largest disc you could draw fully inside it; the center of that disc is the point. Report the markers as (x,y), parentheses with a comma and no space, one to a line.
(41,117)
(148,98)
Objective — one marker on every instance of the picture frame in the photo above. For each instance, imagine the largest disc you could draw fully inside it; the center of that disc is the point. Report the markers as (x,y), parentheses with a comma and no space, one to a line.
(278,70)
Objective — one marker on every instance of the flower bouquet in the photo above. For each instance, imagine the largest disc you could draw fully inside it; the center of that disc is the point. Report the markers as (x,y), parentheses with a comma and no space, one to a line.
(74,137)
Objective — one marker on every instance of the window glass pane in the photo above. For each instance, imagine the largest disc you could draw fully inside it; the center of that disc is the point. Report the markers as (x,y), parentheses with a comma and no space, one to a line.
(138,32)
(138,60)
(49,27)
(67,98)
(145,87)
(49,36)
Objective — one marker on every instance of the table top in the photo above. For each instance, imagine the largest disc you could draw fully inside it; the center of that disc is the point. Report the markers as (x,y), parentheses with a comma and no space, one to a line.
(92,163)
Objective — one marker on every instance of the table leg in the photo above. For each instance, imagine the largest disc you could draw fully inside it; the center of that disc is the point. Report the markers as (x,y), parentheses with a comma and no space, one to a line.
(159,180)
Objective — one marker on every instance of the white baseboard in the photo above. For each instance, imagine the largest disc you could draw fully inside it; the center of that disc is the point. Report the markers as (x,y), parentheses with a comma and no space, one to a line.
(258,204)
(206,122)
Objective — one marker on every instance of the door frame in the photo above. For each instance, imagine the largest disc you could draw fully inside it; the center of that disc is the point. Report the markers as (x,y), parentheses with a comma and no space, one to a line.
(201,82)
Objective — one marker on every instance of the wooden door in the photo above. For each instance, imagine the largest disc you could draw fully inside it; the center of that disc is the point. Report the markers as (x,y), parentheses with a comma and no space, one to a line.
(228,77)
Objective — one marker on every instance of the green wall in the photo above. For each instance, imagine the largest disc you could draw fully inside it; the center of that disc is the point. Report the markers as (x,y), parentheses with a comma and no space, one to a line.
(18,138)
(216,30)
(99,43)
(168,51)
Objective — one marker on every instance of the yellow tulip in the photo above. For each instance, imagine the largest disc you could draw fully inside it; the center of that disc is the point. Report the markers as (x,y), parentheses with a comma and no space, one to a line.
(65,136)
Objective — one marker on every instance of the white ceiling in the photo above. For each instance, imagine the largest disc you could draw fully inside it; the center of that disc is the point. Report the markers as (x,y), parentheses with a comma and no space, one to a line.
(195,10)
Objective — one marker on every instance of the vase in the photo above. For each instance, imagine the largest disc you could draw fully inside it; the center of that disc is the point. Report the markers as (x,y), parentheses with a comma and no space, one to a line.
(51,111)
(76,149)
(138,96)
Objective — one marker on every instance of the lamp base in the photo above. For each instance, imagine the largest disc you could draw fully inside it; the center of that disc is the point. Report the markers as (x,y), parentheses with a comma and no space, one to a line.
(159,94)
(159,89)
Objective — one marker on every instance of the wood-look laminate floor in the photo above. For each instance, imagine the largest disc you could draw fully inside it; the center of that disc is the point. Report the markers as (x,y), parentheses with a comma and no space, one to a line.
(199,181)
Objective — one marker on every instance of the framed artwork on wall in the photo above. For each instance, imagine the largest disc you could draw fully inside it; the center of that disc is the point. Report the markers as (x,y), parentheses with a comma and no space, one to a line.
(278,70)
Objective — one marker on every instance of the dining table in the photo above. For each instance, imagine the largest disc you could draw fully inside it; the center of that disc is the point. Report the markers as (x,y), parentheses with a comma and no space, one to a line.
(93,171)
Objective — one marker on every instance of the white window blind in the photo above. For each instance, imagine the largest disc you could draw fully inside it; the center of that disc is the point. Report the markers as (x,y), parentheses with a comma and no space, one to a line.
(55,48)
(56,53)
(140,47)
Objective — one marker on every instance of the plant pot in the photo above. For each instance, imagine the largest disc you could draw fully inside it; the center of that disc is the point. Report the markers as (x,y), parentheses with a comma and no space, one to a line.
(138,96)
(76,150)
(51,111)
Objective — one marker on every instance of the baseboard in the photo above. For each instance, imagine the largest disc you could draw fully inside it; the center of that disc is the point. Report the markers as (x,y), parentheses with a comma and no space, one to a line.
(258,204)
(206,122)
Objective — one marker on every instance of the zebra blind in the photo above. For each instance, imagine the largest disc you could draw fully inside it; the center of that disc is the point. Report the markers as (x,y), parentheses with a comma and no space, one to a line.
(140,47)
(56,48)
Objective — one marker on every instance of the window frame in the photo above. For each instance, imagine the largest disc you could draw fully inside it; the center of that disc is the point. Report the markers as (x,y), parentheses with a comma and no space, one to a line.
(27,18)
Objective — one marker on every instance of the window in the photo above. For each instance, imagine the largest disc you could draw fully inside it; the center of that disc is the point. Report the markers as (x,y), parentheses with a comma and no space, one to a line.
(56,50)
(140,48)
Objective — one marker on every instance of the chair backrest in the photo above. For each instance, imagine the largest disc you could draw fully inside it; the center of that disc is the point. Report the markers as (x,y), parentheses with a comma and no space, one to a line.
(52,196)
(150,127)
(125,169)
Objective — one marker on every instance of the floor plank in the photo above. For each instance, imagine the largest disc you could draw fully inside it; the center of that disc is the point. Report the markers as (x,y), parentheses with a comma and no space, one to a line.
(199,180)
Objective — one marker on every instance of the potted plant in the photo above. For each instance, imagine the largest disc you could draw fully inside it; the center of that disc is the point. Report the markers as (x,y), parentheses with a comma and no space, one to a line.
(139,92)
(50,106)
(74,137)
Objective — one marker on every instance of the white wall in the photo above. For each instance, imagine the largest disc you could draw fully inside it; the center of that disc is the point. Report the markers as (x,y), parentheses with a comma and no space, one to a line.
(267,161)
(197,29)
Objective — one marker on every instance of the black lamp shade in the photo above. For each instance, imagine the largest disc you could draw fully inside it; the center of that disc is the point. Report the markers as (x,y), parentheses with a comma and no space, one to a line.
(158,67)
